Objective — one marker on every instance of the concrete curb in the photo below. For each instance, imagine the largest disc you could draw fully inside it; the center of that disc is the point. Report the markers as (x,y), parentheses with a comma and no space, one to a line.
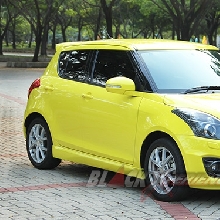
(21,61)
(27,64)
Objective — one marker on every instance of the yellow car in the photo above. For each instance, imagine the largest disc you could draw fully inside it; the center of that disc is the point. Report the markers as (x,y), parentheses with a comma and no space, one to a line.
(146,108)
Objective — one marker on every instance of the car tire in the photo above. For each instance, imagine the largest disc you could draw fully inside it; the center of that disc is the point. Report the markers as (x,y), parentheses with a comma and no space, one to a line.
(39,145)
(165,171)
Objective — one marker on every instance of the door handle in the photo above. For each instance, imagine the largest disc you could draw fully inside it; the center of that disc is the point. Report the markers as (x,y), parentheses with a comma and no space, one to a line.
(87,96)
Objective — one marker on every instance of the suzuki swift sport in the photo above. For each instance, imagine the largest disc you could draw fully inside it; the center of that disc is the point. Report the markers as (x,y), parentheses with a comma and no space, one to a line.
(151,107)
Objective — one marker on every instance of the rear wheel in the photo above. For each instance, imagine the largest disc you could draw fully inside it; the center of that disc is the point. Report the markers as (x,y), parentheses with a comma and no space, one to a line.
(165,171)
(39,145)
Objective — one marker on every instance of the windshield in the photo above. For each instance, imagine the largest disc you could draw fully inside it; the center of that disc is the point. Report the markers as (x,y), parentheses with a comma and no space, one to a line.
(179,70)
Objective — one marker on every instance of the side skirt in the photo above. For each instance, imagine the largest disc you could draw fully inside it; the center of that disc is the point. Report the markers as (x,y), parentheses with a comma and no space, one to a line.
(96,161)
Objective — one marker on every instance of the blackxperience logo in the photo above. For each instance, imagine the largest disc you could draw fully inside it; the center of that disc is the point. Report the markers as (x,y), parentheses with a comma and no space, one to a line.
(103,178)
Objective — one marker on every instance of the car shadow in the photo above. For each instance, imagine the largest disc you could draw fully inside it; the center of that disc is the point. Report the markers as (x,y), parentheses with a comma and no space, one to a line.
(111,179)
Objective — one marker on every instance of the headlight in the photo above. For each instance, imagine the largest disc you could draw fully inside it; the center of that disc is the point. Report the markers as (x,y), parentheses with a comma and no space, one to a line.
(202,124)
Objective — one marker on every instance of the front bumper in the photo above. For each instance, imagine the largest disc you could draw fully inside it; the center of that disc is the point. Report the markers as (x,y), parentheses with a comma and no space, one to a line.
(200,156)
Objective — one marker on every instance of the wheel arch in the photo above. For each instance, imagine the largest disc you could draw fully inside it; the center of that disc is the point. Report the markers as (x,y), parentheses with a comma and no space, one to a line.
(30,118)
(149,140)
(43,145)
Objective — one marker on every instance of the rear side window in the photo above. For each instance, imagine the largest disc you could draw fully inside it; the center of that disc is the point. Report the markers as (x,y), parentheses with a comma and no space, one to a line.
(72,65)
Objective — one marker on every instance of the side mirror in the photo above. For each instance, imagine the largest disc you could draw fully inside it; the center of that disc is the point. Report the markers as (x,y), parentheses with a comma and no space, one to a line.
(120,85)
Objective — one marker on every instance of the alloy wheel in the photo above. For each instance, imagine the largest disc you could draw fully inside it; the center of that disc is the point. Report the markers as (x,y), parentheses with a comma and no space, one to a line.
(38,143)
(162,170)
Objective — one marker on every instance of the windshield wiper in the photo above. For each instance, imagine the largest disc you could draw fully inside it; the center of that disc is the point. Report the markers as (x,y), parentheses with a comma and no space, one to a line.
(202,88)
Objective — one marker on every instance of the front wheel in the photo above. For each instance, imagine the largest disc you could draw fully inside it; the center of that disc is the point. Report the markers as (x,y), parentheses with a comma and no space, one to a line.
(39,145)
(165,171)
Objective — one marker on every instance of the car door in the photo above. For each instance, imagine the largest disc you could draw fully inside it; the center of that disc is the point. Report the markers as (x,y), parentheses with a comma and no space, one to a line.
(109,120)
(65,98)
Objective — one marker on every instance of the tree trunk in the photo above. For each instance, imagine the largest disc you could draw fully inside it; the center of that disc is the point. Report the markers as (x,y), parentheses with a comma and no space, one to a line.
(212,26)
(31,38)
(160,34)
(38,40)
(117,32)
(13,34)
(44,41)
(63,29)
(108,16)
(13,39)
(37,50)
(215,38)
(210,38)
(79,29)
(54,37)
(173,32)
(211,34)
(185,32)
(1,40)
(3,31)
(6,38)
(177,28)
(109,24)
(98,22)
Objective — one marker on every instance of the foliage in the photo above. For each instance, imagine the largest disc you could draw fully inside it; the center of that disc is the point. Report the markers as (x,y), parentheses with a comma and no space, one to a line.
(63,20)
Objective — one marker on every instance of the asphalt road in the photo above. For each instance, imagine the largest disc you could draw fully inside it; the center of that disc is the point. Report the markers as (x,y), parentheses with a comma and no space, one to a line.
(63,193)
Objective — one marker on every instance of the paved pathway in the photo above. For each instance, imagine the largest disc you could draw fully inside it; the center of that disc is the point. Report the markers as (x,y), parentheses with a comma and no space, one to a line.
(64,193)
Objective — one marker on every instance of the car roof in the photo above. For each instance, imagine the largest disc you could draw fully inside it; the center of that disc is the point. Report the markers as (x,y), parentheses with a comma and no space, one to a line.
(134,44)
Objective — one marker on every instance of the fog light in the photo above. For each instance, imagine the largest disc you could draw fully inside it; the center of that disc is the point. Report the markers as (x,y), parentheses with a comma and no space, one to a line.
(212,166)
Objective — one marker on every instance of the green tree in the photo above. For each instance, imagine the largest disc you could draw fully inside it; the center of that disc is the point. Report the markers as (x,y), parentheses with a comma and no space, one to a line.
(213,22)
(64,18)
(7,13)
(93,18)
(153,23)
(126,16)
(17,28)
(185,14)
(77,13)
(38,13)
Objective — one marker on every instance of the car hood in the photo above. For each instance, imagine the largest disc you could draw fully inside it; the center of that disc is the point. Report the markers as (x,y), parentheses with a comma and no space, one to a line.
(209,103)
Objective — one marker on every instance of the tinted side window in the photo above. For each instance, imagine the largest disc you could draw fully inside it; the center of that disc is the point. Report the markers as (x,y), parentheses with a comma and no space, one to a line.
(72,65)
(110,64)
